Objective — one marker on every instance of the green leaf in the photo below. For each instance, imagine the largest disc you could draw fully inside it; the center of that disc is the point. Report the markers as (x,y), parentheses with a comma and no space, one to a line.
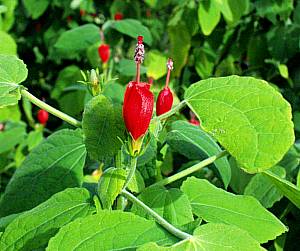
(13,134)
(8,45)
(77,40)
(115,92)
(180,43)
(53,166)
(137,184)
(132,28)
(102,131)
(261,188)
(9,15)
(156,64)
(10,113)
(248,117)
(12,72)
(34,228)
(108,230)
(36,8)
(127,67)
(288,189)
(212,237)
(110,185)
(283,70)
(195,144)
(172,205)
(209,16)
(216,205)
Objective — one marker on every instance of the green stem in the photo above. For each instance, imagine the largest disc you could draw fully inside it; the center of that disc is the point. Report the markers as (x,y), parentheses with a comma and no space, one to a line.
(131,173)
(160,220)
(172,111)
(50,109)
(190,170)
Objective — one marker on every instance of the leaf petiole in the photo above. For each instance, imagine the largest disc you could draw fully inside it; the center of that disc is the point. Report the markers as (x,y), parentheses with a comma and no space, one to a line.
(49,108)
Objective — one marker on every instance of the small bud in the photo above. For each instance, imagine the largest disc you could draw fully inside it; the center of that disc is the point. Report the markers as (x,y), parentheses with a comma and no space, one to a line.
(42,116)
(165,98)
(94,82)
(118,16)
(104,52)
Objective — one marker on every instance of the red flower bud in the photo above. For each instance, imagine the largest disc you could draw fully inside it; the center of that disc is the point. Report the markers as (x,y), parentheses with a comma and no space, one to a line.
(82,12)
(42,116)
(194,121)
(118,16)
(104,52)
(137,108)
(165,98)
(164,101)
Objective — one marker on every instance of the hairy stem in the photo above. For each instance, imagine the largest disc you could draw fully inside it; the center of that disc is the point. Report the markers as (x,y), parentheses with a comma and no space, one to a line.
(190,170)
(131,173)
(160,220)
(138,72)
(50,109)
(172,111)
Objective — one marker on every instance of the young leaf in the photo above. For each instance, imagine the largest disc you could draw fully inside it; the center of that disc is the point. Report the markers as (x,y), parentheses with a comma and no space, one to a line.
(108,230)
(216,205)
(249,118)
(34,228)
(137,184)
(110,185)
(102,131)
(195,144)
(212,237)
(12,72)
(171,204)
(209,16)
(156,64)
(53,166)
(261,188)
(288,189)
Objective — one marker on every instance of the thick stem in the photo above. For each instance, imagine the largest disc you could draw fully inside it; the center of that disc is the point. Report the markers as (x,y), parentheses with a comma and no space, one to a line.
(50,109)
(131,173)
(160,220)
(172,111)
(190,170)
(138,72)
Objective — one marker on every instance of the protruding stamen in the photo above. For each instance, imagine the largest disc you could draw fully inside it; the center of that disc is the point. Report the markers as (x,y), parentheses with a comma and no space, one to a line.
(170,68)
(139,51)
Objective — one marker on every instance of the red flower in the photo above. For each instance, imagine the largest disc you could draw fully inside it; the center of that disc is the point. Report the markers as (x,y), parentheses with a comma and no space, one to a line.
(118,16)
(104,52)
(42,116)
(165,98)
(137,108)
(82,12)
(138,103)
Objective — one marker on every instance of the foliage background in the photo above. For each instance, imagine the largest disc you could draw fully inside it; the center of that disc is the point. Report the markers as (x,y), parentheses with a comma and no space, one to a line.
(259,38)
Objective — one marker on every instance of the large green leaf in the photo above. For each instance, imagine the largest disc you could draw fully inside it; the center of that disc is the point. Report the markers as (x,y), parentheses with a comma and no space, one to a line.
(36,8)
(195,144)
(102,125)
(8,45)
(12,72)
(249,118)
(212,237)
(216,205)
(108,230)
(76,40)
(110,185)
(10,113)
(13,134)
(8,17)
(127,67)
(132,28)
(172,205)
(288,189)
(34,228)
(261,188)
(209,16)
(57,163)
